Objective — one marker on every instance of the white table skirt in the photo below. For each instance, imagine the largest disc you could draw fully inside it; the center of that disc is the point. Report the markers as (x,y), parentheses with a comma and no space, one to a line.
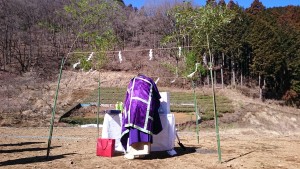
(164,141)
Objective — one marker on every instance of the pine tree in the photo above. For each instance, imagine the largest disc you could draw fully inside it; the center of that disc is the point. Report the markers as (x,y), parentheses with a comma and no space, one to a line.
(255,8)
(222,3)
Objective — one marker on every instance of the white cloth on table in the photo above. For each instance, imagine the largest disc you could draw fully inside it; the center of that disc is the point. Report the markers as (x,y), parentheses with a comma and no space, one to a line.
(164,103)
(162,142)
(165,140)
(112,129)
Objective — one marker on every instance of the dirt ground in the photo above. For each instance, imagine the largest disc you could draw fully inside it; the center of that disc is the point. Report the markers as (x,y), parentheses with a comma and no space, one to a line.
(74,147)
(257,135)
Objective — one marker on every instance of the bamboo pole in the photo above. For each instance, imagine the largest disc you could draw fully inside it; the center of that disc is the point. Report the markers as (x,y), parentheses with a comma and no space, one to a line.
(196,112)
(56,94)
(54,108)
(214,101)
(216,117)
(98,106)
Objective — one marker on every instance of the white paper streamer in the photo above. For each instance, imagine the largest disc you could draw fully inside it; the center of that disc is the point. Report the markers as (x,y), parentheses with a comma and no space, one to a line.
(179,51)
(192,74)
(157,80)
(75,64)
(120,57)
(150,54)
(90,57)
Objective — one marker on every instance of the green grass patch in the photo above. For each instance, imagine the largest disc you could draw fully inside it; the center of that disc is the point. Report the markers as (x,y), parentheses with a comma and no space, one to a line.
(179,101)
(182,102)
(108,95)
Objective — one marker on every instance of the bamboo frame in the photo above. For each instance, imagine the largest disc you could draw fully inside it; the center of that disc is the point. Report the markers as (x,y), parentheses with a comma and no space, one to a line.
(54,109)
(196,111)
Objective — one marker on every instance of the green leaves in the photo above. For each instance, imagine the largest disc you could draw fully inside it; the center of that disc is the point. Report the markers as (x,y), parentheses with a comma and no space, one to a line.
(201,24)
(202,21)
(92,17)
(87,11)
(85,64)
(209,18)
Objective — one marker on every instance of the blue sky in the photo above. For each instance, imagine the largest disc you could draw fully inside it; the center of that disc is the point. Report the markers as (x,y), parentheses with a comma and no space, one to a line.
(243,3)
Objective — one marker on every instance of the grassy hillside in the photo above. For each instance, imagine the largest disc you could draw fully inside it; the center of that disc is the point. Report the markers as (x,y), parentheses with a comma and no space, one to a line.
(181,102)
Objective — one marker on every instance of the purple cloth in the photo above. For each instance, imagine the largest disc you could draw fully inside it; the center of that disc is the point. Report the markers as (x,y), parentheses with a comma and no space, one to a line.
(140,118)
(137,136)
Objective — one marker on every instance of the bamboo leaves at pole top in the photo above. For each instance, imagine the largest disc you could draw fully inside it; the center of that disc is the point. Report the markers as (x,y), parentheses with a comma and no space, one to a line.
(207,20)
(180,15)
(201,24)
(203,20)
(92,20)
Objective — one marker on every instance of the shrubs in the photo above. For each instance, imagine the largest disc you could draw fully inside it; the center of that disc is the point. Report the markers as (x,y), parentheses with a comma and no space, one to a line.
(292,98)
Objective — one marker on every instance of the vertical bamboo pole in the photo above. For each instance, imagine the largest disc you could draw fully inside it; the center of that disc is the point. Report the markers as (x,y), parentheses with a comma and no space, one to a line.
(216,116)
(214,102)
(98,106)
(196,112)
(54,108)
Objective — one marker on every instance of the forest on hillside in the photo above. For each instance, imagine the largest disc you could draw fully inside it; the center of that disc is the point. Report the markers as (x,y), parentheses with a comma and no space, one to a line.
(255,46)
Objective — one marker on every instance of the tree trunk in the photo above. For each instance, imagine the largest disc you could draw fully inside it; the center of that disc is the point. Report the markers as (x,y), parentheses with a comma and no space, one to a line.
(264,91)
(215,77)
(241,78)
(208,80)
(222,75)
(5,49)
(233,75)
(214,72)
(260,88)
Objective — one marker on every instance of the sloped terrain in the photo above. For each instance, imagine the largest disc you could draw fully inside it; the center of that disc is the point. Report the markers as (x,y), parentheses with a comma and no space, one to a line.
(27,101)
(257,135)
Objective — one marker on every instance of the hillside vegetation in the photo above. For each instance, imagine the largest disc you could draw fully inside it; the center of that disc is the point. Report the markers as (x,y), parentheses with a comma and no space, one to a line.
(255,47)
(255,51)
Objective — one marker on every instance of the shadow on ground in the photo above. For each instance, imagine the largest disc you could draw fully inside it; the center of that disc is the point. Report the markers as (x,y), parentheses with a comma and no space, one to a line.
(20,144)
(163,154)
(26,149)
(30,160)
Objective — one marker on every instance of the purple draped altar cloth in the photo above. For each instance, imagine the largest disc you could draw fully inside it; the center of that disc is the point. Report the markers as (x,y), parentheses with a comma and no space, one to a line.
(140,118)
